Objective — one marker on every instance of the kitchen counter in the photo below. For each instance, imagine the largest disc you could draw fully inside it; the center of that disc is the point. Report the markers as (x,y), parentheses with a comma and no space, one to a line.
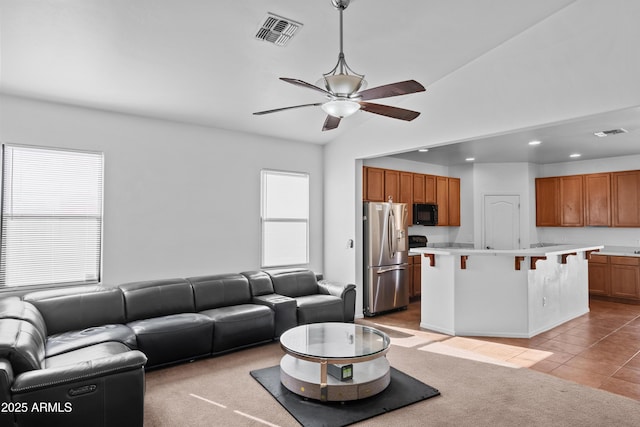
(503,293)
(620,251)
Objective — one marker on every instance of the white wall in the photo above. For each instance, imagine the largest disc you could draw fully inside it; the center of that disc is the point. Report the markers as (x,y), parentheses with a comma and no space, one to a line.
(545,75)
(179,200)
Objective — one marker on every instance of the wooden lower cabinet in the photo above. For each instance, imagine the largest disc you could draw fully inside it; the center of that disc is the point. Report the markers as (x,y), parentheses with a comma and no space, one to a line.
(617,277)
(625,277)
(415,275)
(599,275)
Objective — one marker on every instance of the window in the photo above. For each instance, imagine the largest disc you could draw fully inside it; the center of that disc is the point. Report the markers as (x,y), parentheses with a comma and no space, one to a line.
(285,218)
(51,216)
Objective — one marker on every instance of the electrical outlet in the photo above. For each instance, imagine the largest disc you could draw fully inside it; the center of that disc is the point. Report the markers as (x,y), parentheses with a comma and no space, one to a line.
(544,301)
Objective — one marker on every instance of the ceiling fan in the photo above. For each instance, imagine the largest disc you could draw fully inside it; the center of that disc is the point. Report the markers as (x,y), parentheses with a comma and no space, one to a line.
(346,93)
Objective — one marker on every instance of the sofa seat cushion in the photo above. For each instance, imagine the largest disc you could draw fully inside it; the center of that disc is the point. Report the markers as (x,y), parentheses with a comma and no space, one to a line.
(240,325)
(73,340)
(319,308)
(86,354)
(173,338)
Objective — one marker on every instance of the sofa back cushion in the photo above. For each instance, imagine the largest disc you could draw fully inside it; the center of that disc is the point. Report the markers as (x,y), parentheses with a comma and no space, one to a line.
(15,308)
(21,344)
(295,283)
(77,308)
(259,283)
(155,298)
(220,290)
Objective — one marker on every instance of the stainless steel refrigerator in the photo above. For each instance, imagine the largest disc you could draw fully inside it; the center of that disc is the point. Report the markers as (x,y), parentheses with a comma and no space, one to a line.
(386,271)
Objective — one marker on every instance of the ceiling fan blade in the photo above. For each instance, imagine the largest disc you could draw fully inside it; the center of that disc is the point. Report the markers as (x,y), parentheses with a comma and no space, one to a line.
(389,111)
(393,89)
(298,82)
(331,123)
(275,110)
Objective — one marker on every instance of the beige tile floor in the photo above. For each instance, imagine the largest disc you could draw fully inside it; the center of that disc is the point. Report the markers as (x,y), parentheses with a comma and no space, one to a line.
(600,349)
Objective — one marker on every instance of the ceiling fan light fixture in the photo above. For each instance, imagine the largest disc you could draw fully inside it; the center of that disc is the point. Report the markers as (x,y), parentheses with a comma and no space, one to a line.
(344,84)
(340,108)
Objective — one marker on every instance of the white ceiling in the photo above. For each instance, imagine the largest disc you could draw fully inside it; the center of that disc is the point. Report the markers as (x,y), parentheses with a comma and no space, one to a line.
(198,62)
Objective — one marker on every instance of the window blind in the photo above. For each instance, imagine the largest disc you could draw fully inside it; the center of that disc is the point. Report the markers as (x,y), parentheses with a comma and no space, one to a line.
(285,218)
(51,227)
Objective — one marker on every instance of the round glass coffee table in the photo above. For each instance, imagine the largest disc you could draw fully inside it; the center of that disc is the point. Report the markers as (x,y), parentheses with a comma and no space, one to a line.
(335,361)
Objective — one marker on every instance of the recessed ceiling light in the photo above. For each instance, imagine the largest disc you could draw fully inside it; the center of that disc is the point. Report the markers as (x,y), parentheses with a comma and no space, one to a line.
(423,150)
(535,142)
(575,155)
(470,159)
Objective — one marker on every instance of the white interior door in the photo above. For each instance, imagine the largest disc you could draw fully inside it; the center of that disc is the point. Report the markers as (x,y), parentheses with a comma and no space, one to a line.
(501,222)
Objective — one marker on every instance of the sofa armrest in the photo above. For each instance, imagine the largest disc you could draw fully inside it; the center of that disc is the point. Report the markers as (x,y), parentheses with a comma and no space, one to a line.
(346,291)
(6,379)
(337,289)
(44,378)
(285,308)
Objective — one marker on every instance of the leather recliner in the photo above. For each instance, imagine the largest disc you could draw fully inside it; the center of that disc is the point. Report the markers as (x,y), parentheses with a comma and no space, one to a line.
(315,301)
(94,384)
(237,321)
(162,315)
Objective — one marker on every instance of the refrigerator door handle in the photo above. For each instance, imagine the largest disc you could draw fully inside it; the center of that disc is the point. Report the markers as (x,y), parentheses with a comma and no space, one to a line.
(391,233)
(386,270)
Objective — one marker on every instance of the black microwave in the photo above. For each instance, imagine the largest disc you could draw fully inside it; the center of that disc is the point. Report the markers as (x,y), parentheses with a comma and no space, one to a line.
(425,214)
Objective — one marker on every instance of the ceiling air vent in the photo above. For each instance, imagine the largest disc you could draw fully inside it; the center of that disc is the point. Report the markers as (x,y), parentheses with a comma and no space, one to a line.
(610,132)
(277,30)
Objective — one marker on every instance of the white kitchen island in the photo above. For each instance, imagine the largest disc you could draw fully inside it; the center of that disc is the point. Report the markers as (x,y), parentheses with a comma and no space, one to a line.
(503,293)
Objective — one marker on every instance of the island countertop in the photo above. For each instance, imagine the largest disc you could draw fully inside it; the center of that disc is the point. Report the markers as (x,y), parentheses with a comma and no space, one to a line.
(530,252)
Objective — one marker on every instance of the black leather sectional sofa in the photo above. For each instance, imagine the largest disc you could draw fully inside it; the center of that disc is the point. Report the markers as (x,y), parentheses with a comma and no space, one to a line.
(77,356)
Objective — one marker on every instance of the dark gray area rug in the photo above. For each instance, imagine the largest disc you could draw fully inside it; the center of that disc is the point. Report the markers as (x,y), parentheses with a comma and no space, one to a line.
(403,390)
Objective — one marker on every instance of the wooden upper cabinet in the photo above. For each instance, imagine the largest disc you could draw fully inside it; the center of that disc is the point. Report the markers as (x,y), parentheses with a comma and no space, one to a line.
(429,189)
(547,202)
(442,199)
(391,185)
(597,204)
(454,201)
(406,188)
(406,193)
(379,184)
(373,183)
(418,188)
(571,201)
(424,188)
(625,189)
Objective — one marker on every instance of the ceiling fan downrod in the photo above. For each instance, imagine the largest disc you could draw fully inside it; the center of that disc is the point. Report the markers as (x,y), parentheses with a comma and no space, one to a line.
(342,81)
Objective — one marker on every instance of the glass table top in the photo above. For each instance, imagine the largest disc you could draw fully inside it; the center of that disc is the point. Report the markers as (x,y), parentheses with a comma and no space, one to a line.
(334,340)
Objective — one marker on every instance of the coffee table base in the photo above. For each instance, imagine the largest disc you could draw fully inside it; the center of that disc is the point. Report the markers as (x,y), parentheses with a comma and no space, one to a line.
(303,378)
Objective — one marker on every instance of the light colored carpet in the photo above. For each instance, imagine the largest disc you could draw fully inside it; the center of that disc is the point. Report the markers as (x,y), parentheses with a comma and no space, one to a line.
(220,391)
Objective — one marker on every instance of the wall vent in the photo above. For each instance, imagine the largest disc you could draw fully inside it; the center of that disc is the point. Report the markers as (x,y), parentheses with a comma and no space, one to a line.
(610,132)
(277,30)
